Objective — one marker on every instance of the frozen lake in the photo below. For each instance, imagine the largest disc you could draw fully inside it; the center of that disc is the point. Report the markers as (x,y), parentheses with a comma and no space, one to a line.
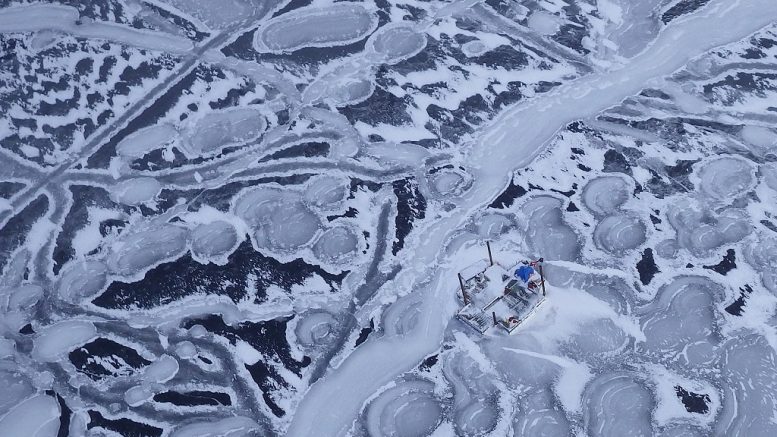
(248,219)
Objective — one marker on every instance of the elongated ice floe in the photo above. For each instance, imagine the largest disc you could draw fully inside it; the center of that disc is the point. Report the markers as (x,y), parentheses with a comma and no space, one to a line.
(313,26)
(135,191)
(226,127)
(395,42)
(229,427)
(55,340)
(37,416)
(145,248)
(41,16)
(82,279)
(145,140)
(214,239)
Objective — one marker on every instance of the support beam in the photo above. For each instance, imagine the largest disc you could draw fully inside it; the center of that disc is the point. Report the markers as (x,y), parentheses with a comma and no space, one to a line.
(493,314)
(463,290)
(490,258)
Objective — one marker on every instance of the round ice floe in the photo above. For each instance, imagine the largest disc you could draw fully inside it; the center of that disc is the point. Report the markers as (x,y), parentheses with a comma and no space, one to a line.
(547,233)
(281,221)
(225,127)
(55,340)
(82,279)
(213,239)
(604,195)
(255,204)
(186,350)
(700,231)
(336,24)
(667,249)
(619,233)
(477,418)
(161,370)
(683,314)
(316,328)
(618,405)
(326,192)
(408,409)
(142,141)
(474,48)
(395,42)
(135,191)
(37,416)
(544,23)
(288,227)
(449,182)
(762,140)
(143,249)
(138,395)
(337,245)
(724,179)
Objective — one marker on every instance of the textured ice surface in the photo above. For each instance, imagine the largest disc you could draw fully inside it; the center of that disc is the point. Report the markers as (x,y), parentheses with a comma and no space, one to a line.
(246,218)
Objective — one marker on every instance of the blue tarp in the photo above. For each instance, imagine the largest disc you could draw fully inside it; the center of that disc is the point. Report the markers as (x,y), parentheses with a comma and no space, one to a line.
(524,273)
